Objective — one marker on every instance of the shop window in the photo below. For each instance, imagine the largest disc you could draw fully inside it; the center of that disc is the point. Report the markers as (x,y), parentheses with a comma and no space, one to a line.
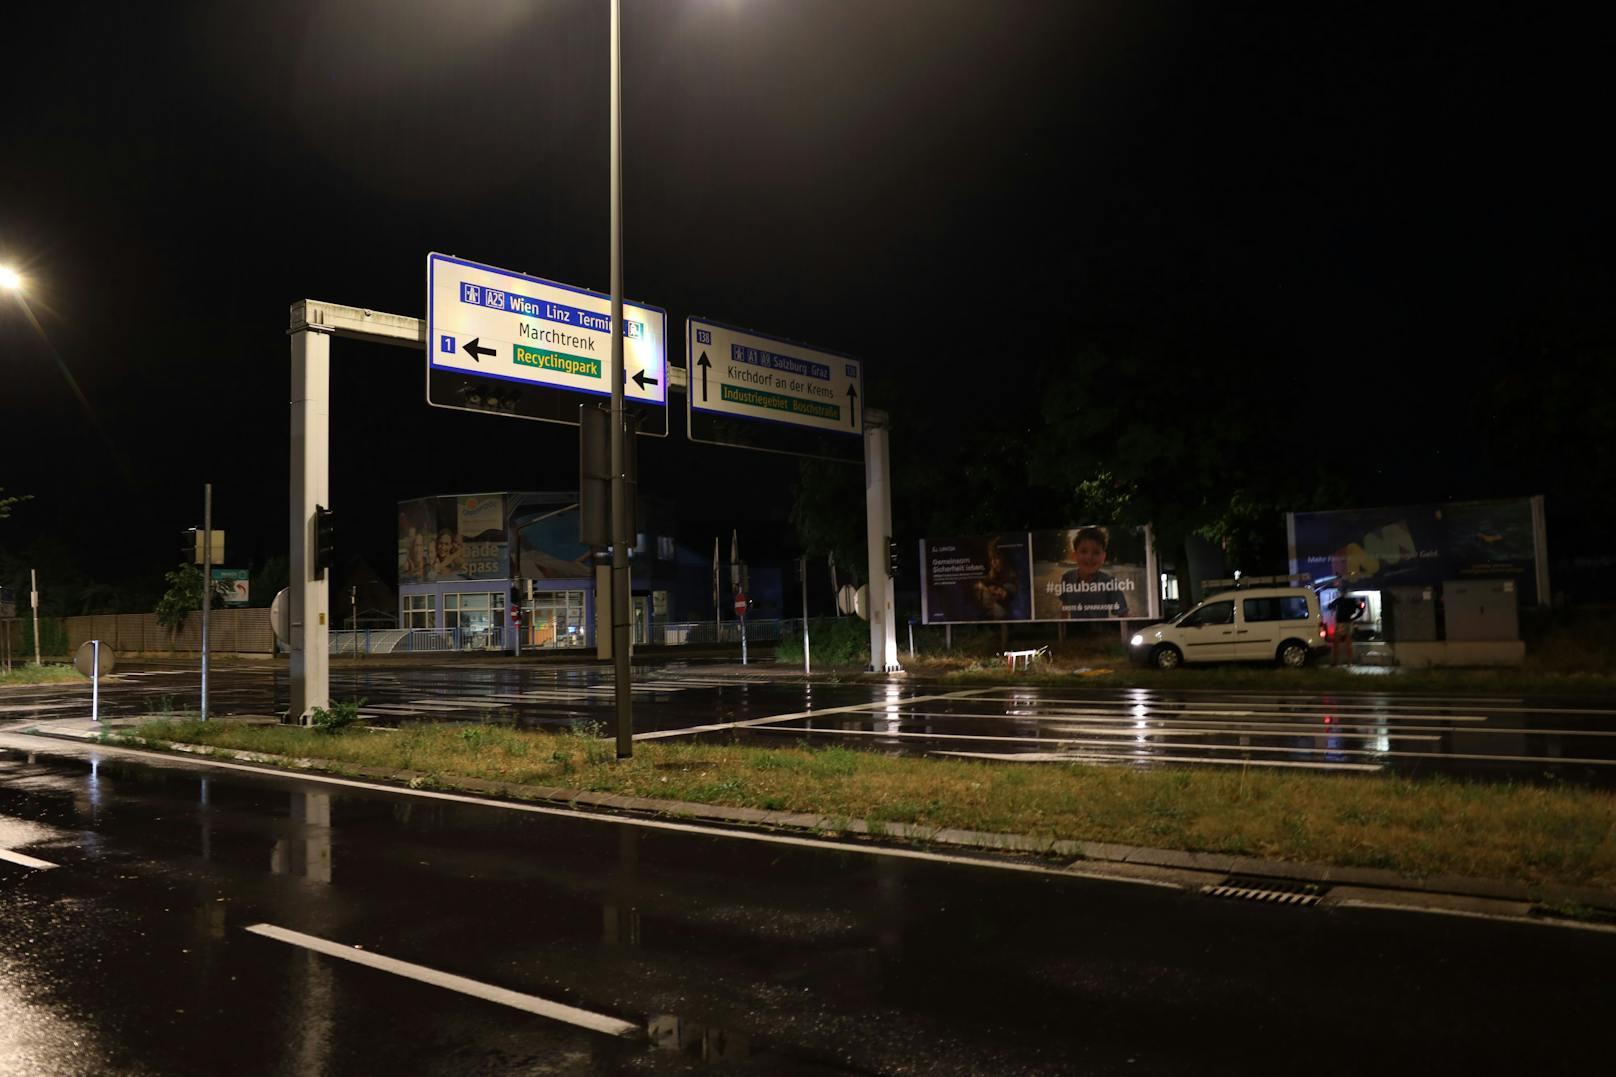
(558,620)
(478,612)
(420,611)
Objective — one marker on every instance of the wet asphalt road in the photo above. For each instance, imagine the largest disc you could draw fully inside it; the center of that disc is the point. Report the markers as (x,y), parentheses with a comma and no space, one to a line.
(722,955)
(1546,738)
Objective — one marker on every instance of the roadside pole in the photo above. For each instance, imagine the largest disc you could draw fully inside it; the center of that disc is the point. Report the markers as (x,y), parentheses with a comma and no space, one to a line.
(33,597)
(207,585)
(878,525)
(805,671)
(309,592)
(620,576)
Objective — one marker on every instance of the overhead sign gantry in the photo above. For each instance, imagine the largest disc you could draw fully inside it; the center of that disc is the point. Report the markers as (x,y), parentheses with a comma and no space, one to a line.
(505,343)
(760,392)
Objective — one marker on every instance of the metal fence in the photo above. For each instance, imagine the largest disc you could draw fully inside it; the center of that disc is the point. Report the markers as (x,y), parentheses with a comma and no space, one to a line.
(368,641)
(762,630)
(241,631)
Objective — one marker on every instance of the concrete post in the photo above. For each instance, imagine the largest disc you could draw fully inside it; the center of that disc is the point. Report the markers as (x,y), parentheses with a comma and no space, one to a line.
(877,529)
(311,449)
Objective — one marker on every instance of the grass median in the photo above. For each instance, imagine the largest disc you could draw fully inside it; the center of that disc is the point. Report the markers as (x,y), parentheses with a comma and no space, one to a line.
(1419,827)
(47,674)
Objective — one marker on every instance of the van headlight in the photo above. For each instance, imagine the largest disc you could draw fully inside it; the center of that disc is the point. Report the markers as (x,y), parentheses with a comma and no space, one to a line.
(1137,640)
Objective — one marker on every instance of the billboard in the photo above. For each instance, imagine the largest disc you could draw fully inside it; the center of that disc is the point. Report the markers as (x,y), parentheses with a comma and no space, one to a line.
(452,538)
(1420,545)
(1090,573)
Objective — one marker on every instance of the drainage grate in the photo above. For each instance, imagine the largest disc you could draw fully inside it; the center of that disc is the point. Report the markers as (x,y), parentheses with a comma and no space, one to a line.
(1273,891)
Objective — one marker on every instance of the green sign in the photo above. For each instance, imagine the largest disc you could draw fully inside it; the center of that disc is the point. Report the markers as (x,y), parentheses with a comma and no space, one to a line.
(232,582)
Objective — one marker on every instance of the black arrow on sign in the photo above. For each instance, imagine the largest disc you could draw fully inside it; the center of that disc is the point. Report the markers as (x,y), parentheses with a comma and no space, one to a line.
(474,351)
(852,406)
(641,380)
(704,364)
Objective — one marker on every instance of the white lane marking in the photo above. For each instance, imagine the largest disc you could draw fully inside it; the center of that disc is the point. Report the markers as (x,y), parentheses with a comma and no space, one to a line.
(24,859)
(542,695)
(1353,701)
(1131,710)
(556,1011)
(583,816)
(1101,757)
(1302,727)
(1284,749)
(659,734)
(1392,906)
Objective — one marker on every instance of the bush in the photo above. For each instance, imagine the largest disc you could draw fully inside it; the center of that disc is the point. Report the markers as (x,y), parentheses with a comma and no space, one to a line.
(835,641)
(338,718)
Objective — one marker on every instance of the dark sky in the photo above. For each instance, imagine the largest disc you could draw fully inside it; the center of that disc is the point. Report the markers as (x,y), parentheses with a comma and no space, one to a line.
(1386,202)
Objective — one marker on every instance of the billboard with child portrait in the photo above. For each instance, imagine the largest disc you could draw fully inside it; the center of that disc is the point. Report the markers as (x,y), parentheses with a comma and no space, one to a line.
(1090,573)
(452,538)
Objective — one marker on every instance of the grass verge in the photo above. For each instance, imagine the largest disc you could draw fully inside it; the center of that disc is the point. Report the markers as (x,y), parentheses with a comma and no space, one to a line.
(40,675)
(1419,827)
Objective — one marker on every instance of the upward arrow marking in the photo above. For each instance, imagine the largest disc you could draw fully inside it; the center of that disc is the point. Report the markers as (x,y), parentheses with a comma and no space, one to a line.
(852,406)
(704,364)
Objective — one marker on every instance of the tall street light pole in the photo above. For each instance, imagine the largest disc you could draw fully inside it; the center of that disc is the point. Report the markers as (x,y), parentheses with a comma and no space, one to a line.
(619,575)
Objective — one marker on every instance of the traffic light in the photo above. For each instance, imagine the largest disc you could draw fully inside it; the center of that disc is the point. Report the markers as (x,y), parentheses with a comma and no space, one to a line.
(189,547)
(595,475)
(892,558)
(325,539)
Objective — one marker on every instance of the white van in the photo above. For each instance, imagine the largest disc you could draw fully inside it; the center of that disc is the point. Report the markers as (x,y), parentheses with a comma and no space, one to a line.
(1262,624)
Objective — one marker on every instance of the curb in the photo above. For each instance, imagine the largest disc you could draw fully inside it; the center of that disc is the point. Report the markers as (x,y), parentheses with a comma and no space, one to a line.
(1135,860)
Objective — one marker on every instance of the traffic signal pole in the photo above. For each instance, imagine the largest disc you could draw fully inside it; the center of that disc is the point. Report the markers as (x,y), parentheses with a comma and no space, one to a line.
(207,587)
(620,537)
(877,528)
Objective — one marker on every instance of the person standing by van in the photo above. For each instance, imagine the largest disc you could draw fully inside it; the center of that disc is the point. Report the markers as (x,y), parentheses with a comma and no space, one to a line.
(1346,609)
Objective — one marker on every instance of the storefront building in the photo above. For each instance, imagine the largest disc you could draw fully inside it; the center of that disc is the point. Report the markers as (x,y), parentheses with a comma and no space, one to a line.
(486,569)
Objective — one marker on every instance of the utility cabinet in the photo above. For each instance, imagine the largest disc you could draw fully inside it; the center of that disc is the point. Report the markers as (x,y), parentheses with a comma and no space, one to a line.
(1481,610)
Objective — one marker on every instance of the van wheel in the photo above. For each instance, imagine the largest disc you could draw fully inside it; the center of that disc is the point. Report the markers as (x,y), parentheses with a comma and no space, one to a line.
(1292,654)
(1166,657)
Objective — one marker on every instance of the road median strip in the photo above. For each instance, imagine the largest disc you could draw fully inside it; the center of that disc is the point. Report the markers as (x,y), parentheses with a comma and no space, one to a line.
(1509,842)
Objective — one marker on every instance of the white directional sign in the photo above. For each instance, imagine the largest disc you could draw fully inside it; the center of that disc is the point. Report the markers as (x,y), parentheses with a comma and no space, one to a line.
(739,374)
(493,325)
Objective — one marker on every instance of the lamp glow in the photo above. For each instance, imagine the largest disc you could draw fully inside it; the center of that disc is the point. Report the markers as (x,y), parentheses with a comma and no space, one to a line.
(10,279)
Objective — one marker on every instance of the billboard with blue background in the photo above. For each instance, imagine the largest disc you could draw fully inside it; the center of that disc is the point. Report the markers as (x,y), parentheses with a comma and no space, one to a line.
(1421,545)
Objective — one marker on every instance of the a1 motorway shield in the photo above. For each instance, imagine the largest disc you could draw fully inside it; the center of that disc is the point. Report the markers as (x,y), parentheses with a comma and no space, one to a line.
(506,343)
(762,392)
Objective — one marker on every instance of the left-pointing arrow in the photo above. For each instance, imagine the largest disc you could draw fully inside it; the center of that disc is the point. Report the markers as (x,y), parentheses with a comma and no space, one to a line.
(474,351)
(642,380)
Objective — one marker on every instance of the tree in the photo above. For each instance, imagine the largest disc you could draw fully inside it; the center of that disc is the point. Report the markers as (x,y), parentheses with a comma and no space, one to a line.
(184,597)
(1186,453)
(8,503)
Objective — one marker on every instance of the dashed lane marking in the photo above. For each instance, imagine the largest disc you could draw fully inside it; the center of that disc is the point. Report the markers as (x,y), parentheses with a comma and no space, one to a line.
(1286,749)
(24,860)
(660,734)
(516,1000)
(1101,757)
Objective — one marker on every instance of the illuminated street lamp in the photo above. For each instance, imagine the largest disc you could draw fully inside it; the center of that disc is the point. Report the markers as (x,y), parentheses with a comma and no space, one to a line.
(10,279)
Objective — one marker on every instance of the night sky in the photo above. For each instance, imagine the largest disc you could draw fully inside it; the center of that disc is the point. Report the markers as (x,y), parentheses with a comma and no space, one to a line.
(1396,212)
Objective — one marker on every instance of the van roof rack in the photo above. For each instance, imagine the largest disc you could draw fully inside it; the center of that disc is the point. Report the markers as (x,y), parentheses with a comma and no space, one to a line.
(1294,579)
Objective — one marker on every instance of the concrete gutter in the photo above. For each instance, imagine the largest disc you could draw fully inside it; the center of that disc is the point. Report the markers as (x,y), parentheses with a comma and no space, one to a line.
(1342,886)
